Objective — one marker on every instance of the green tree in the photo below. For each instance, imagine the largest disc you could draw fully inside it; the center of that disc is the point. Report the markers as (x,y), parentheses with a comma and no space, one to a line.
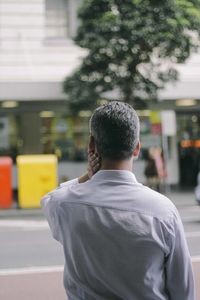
(132,46)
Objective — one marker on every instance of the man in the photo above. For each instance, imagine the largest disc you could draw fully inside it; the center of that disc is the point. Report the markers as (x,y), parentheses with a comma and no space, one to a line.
(121,240)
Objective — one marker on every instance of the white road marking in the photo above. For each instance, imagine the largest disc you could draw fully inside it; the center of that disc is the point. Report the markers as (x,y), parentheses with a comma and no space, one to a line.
(31,270)
(192,234)
(195,259)
(191,219)
(24,224)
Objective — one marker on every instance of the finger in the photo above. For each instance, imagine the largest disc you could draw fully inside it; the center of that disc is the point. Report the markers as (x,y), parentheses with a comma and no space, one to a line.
(96,167)
(92,158)
(89,154)
(89,150)
(92,154)
(90,173)
(94,162)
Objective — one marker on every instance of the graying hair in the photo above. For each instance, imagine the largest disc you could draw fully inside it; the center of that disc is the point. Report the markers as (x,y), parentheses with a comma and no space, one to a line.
(115,127)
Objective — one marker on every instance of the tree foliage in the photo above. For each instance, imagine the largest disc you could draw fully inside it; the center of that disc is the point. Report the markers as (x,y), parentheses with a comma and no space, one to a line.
(133,46)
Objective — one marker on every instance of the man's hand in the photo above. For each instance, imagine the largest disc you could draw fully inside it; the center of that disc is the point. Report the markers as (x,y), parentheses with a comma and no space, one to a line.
(93,167)
(93,164)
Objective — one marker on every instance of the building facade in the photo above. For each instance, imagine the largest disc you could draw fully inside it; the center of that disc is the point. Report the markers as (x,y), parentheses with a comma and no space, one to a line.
(36,54)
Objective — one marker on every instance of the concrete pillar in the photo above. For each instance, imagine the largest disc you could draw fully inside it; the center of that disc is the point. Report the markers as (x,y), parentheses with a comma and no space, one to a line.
(173,161)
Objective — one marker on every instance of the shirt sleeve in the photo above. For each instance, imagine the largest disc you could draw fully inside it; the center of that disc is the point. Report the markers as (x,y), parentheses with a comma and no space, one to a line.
(49,205)
(179,274)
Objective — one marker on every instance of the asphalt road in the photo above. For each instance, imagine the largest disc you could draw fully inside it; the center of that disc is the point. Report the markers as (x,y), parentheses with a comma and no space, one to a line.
(31,261)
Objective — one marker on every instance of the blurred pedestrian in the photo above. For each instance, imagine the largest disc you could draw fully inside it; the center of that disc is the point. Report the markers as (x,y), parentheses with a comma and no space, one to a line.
(160,166)
(121,240)
(151,173)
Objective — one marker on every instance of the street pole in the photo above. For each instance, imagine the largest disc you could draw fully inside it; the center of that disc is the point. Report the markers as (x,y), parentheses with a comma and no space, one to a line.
(166,160)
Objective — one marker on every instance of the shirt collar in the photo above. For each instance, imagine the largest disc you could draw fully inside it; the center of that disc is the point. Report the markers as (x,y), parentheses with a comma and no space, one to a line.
(115,175)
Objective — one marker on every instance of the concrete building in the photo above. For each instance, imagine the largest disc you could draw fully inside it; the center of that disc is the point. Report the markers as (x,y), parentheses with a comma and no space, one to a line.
(36,54)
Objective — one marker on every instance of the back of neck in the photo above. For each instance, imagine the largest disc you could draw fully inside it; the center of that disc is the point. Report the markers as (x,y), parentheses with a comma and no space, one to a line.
(116,165)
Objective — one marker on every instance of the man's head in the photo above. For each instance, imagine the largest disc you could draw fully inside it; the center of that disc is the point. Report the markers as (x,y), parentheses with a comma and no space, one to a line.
(114,128)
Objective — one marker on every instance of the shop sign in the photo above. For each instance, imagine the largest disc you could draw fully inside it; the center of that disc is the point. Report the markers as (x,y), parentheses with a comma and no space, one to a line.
(168,119)
(155,120)
(155,117)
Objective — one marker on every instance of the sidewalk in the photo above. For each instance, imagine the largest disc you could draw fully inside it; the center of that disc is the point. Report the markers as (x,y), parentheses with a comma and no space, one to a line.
(182,198)
(17,213)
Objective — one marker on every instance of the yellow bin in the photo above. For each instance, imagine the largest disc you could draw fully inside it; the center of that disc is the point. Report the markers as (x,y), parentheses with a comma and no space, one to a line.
(37,175)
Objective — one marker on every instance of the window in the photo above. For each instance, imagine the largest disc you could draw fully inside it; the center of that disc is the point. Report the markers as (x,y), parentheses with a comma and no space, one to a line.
(65,136)
(56,19)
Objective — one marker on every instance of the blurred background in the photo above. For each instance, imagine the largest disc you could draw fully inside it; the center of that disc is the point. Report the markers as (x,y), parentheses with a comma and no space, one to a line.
(36,55)
(59,59)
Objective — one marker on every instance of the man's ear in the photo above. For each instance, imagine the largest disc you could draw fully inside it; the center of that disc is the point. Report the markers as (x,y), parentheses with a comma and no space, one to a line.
(91,144)
(137,150)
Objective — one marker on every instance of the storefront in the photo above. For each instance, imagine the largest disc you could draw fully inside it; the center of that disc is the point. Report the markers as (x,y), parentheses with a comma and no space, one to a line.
(47,127)
(189,147)
(27,131)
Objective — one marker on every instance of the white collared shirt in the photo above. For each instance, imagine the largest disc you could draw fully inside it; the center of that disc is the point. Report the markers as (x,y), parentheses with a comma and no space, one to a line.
(121,240)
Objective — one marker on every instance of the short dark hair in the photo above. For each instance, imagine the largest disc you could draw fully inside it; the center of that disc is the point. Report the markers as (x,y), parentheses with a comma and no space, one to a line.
(115,128)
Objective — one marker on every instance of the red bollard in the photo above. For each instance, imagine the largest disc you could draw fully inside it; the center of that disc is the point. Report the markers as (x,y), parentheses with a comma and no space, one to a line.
(6,195)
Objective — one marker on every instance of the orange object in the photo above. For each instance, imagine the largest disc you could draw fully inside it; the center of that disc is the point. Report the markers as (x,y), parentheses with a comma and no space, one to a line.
(197,143)
(5,182)
(187,144)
